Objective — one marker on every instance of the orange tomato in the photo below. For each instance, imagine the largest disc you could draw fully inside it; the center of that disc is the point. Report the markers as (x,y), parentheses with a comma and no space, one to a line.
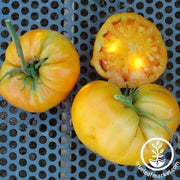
(129,50)
(55,78)
(116,131)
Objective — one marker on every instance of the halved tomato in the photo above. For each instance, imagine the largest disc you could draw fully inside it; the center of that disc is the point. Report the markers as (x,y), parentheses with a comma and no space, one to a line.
(129,50)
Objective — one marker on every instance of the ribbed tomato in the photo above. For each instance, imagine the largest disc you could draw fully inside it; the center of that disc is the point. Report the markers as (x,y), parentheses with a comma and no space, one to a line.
(116,126)
(51,69)
(129,50)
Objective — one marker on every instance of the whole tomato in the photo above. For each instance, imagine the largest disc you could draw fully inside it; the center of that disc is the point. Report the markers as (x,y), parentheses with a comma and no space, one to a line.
(116,126)
(50,70)
(129,49)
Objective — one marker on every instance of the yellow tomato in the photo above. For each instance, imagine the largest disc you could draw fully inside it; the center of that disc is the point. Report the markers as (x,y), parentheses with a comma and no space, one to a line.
(54,78)
(129,49)
(115,130)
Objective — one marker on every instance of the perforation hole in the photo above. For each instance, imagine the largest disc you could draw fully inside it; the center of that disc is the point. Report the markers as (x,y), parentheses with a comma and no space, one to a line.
(3,173)
(34,16)
(22,162)
(15,16)
(42,174)
(23,115)
(140,5)
(112,9)
(3,161)
(24,10)
(44,22)
(102,162)
(33,145)
(159,15)
(5,10)
(5,1)
(130,9)
(149,10)
(54,4)
(32,178)
(12,144)
(12,156)
(22,139)
(102,3)
(121,173)
(34,4)
(13,121)
(44,1)
(13,132)
(32,156)
(3,103)
(4,45)
(33,122)
(12,178)
(52,157)
(93,7)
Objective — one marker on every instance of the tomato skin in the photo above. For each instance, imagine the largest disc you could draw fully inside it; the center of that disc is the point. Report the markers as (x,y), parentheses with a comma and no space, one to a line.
(129,50)
(57,75)
(113,130)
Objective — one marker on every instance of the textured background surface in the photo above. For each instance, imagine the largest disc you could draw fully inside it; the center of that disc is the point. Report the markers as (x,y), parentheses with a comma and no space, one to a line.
(44,145)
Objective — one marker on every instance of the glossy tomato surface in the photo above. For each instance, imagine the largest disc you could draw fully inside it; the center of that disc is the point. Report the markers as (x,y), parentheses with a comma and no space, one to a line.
(56,76)
(115,131)
(129,50)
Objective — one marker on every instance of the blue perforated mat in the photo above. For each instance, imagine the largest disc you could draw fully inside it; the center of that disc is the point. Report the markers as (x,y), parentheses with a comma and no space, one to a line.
(44,145)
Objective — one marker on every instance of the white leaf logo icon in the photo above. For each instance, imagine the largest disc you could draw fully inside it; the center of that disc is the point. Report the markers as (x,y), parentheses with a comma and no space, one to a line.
(153,145)
(161,151)
(160,156)
(157,142)
(153,151)
(160,145)
(157,155)
(157,162)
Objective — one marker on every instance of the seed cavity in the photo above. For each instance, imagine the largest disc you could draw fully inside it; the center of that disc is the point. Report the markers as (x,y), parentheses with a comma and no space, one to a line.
(116,22)
(102,64)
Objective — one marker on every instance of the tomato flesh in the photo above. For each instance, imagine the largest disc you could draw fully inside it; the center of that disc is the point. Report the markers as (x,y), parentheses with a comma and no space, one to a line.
(129,50)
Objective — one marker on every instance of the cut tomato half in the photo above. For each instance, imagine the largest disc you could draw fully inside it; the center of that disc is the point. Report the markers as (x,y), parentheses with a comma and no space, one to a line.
(129,50)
